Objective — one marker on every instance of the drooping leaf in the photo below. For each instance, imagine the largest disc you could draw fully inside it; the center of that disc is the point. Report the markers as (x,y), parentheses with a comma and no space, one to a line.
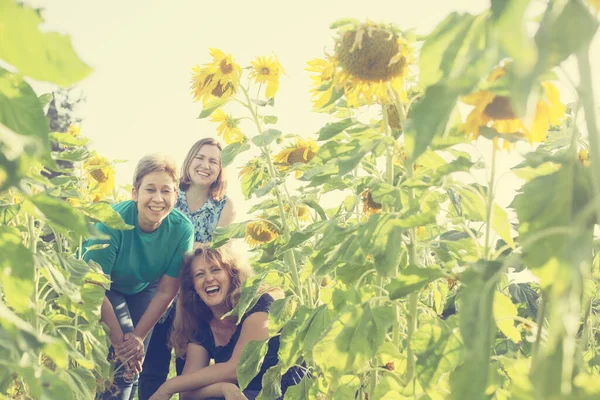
(270,119)
(68,139)
(60,214)
(212,106)
(231,151)
(49,57)
(250,361)
(504,312)
(282,310)
(381,236)
(271,384)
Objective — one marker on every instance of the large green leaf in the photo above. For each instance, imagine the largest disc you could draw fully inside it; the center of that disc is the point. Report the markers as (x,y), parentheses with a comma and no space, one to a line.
(292,337)
(231,151)
(20,108)
(103,212)
(271,384)
(333,128)
(266,138)
(45,56)
(250,361)
(60,214)
(381,236)
(282,310)
(412,278)
(212,106)
(222,234)
(438,349)
(16,269)
(353,339)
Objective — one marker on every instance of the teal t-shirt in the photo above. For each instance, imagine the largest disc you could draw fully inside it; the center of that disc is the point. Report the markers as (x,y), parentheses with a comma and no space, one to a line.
(135,258)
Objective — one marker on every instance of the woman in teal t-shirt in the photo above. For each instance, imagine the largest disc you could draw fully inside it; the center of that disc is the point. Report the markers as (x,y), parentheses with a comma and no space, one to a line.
(143,264)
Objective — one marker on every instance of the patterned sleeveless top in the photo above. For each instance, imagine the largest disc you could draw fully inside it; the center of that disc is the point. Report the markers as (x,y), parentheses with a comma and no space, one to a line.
(204,219)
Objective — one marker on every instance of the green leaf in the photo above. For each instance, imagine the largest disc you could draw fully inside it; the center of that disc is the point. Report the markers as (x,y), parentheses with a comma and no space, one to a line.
(332,129)
(472,203)
(300,237)
(438,349)
(558,37)
(315,206)
(81,381)
(222,234)
(282,310)
(16,270)
(271,384)
(231,151)
(103,212)
(387,194)
(411,279)
(20,108)
(504,312)
(49,57)
(292,336)
(381,236)
(353,339)
(68,139)
(74,155)
(501,224)
(266,138)
(300,391)
(212,106)
(45,99)
(270,119)
(250,361)
(60,214)
(258,102)
(510,19)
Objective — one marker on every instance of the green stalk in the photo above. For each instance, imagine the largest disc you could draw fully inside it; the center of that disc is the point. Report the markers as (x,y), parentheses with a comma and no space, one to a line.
(540,326)
(32,238)
(288,256)
(586,97)
(490,206)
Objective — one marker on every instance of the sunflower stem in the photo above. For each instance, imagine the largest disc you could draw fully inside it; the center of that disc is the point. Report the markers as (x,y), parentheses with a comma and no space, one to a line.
(586,96)
(288,256)
(490,204)
(540,326)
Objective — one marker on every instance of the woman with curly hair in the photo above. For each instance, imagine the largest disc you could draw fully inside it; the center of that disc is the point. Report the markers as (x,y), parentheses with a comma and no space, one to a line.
(210,286)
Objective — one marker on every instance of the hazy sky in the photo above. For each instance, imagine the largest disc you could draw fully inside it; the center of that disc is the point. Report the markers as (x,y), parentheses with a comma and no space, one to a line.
(142,52)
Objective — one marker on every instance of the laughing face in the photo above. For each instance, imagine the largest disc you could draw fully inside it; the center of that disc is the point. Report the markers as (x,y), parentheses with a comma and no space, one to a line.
(206,166)
(155,199)
(212,283)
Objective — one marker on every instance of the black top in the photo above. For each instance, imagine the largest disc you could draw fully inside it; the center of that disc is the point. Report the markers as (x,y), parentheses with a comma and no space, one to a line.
(221,354)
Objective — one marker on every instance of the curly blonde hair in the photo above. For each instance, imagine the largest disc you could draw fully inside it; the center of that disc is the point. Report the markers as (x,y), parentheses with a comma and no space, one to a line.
(190,308)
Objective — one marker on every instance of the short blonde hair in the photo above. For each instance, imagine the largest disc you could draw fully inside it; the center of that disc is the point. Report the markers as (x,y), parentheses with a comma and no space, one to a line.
(154,163)
(218,189)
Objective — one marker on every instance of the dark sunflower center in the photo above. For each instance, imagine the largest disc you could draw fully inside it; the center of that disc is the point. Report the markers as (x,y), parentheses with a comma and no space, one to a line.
(393,116)
(265,71)
(371,59)
(220,90)
(226,68)
(500,108)
(298,156)
(260,235)
(99,175)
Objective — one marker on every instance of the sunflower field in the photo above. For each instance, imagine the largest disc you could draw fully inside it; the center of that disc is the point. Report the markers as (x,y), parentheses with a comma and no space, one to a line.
(406,276)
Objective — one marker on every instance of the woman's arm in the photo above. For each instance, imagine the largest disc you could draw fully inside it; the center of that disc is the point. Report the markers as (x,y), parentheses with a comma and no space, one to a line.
(108,316)
(165,293)
(255,327)
(228,214)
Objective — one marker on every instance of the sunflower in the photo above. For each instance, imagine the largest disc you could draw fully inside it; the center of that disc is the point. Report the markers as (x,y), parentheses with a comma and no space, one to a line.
(302,151)
(74,130)
(373,58)
(267,70)
(100,177)
(370,206)
(323,84)
(219,79)
(228,127)
(495,111)
(260,232)
(595,4)
(301,211)
(584,158)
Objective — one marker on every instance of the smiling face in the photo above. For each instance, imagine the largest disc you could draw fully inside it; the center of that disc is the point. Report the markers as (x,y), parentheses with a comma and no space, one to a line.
(155,199)
(212,283)
(205,166)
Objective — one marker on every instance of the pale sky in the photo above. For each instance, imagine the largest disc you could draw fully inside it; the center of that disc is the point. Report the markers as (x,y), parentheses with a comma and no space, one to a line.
(142,51)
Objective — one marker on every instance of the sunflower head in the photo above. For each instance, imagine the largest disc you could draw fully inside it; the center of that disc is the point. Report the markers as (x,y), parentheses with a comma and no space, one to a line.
(370,206)
(259,232)
(492,110)
(583,157)
(267,70)
(219,79)
(74,130)
(302,151)
(371,52)
(228,127)
(99,168)
(323,74)
(301,211)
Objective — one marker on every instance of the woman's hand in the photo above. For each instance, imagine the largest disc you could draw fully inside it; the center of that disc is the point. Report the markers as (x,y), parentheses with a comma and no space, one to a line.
(161,394)
(232,392)
(132,347)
